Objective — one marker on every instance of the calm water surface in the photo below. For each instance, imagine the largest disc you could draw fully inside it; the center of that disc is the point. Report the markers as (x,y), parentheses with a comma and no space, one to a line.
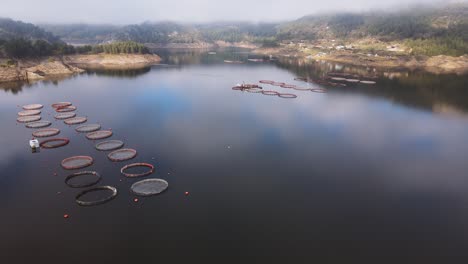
(365,174)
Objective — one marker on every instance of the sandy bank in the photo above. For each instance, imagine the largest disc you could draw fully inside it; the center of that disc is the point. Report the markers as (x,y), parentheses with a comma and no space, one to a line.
(112,61)
(42,68)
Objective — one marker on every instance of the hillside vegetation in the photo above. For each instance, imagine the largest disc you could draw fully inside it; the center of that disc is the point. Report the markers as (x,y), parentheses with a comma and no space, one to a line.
(427,31)
(11,29)
(23,40)
(418,31)
(125,47)
(165,32)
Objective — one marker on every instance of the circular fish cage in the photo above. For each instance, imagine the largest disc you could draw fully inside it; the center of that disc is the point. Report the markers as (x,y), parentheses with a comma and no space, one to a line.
(318,90)
(287,95)
(64,109)
(62,116)
(75,120)
(278,83)
(302,88)
(340,79)
(254,90)
(368,82)
(270,93)
(28,119)
(135,165)
(46,132)
(61,104)
(105,199)
(288,86)
(122,154)
(38,124)
(32,107)
(266,81)
(77,162)
(109,145)
(29,112)
(101,134)
(54,143)
(69,178)
(88,128)
(149,187)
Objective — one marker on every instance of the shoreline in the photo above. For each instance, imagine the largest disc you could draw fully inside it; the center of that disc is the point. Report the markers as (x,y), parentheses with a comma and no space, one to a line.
(50,67)
(440,64)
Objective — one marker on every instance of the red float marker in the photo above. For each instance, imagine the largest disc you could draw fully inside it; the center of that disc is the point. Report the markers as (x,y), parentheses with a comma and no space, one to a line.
(135,200)
(66,216)
(186,193)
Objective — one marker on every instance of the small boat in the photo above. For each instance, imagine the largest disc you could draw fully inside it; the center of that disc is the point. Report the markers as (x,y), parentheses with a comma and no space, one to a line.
(34,144)
(212,53)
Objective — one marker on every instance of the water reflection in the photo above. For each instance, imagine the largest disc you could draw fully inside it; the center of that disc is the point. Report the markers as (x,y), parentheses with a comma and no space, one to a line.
(17,87)
(418,89)
(320,177)
(438,93)
(123,73)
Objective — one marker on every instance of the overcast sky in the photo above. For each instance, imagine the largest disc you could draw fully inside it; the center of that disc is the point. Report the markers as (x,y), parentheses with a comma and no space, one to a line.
(136,11)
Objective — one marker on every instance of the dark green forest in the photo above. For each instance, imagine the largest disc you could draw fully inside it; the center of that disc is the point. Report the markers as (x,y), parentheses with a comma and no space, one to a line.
(24,48)
(128,47)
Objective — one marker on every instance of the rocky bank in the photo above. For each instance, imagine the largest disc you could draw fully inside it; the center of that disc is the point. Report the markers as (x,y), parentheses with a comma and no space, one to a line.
(436,64)
(42,68)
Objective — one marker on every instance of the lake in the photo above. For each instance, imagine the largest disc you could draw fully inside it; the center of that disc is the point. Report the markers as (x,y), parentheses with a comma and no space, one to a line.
(360,174)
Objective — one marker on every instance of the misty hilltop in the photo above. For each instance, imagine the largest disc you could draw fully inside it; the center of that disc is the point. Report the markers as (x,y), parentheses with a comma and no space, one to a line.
(425,30)
(10,29)
(417,22)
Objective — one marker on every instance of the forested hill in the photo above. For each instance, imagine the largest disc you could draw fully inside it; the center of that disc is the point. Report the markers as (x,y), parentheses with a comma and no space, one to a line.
(426,31)
(418,22)
(438,30)
(22,40)
(81,33)
(164,32)
(19,39)
(10,29)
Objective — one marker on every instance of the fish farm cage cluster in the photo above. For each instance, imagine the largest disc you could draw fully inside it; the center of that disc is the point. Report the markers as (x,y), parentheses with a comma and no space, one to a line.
(332,79)
(254,88)
(65,111)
